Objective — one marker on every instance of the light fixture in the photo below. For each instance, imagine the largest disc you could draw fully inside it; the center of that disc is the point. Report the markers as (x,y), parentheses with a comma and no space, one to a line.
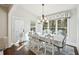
(43,17)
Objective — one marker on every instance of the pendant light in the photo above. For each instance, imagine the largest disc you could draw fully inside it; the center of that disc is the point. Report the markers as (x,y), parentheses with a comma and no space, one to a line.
(43,17)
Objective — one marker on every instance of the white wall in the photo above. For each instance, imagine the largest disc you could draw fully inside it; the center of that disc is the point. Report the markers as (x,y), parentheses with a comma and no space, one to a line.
(3,28)
(78,23)
(3,23)
(73,28)
(78,27)
(18,13)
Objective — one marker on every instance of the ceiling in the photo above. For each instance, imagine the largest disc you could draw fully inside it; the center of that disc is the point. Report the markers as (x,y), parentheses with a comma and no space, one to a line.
(6,7)
(36,9)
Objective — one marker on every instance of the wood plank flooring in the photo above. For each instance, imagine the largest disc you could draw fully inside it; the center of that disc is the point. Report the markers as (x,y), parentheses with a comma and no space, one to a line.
(12,51)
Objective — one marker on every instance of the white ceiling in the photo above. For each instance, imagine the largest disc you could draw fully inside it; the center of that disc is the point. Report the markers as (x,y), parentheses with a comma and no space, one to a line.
(36,9)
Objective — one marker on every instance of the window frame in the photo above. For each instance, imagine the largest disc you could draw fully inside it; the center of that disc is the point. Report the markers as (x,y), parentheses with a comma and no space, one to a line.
(56,25)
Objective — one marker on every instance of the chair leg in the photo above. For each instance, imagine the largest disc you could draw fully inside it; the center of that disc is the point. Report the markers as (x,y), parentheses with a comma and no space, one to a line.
(58,50)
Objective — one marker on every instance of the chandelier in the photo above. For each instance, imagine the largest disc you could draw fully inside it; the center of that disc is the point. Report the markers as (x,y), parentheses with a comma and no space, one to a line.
(43,16)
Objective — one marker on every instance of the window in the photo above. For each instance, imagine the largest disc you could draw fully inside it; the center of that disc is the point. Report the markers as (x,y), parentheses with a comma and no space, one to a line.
(56,25)
(52,25)
(32,26)
(45,27)
(62,25)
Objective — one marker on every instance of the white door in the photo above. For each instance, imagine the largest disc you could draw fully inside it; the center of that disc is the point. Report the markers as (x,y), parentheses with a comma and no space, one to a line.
(18,28)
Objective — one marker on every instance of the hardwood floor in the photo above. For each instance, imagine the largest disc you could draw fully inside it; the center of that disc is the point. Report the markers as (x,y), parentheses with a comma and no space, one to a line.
(24,51)
(12,51)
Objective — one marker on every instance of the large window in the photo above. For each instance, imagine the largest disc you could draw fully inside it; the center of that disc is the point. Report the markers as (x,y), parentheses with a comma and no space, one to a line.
(56,25)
